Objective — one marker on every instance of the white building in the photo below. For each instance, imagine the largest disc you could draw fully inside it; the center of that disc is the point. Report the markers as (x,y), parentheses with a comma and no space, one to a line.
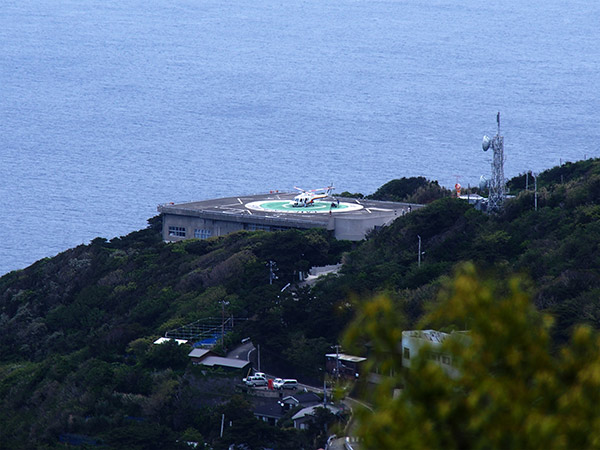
(416,341)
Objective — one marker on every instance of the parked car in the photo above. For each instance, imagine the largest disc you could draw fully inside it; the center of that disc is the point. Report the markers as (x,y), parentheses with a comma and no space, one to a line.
(257,374)
(286,384)
(254,380)
(277,382)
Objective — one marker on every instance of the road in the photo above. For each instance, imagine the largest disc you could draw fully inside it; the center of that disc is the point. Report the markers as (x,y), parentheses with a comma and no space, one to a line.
(245,352)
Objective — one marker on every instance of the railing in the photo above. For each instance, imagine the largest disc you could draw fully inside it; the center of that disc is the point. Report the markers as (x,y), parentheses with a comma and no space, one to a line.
(205,331)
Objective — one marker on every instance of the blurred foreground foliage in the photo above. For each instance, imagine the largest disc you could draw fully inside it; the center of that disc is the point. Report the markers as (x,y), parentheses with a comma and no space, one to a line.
(511,391)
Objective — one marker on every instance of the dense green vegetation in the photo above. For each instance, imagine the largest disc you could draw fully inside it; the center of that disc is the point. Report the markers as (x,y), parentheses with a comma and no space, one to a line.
(410,190)
(76,330)
(508,390)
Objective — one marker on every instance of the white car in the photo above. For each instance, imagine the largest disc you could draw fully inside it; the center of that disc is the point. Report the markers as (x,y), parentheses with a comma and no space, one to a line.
(286,384)
(257,374)
(255,380)
(277,382)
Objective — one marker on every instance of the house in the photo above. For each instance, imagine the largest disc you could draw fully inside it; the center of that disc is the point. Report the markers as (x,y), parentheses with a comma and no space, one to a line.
(208,358)
(300,399)
(226,363)
(347,365)
(269,410)
(198,354)
(416,341)
(306,415)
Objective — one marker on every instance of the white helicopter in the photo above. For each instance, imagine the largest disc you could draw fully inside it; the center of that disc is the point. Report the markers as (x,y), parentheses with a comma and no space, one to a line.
(307,198)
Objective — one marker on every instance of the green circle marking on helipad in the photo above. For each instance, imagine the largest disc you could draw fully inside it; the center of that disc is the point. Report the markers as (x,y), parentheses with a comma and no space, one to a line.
(287,206)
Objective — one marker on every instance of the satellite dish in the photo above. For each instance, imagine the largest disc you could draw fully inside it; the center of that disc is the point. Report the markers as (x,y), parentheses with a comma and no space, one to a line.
(486,143)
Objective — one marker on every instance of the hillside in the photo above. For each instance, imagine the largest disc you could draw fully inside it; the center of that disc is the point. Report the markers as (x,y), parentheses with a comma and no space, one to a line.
(75,341)
(556,246)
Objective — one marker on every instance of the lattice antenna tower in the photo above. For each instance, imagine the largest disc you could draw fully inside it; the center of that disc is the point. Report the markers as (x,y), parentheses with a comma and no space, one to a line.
(497,184)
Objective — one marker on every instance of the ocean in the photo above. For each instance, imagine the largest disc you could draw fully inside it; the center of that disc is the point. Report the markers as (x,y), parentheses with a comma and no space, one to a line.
(108,108)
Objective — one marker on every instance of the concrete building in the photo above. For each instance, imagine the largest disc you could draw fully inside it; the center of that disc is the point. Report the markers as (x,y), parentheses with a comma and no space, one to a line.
(417,341)
(347,218)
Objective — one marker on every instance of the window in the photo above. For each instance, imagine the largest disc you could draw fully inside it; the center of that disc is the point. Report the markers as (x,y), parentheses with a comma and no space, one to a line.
(256,227)
(406,353)
(446,360)
(177,231)
(202,234)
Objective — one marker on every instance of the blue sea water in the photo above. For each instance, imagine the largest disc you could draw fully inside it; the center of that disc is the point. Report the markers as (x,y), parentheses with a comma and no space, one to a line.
(108,108)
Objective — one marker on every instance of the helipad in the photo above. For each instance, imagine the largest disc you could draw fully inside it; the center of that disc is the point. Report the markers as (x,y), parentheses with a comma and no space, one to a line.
(349,219)
(287,206)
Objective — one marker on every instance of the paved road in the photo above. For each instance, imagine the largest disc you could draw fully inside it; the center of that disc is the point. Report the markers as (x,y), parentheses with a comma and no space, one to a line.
(245,352)
(344,443)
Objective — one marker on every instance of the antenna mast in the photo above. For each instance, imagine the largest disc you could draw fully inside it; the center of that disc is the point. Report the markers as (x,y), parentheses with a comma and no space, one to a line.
(497,184)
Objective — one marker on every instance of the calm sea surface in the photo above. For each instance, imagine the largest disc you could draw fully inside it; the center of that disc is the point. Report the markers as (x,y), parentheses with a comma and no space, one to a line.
(108,107)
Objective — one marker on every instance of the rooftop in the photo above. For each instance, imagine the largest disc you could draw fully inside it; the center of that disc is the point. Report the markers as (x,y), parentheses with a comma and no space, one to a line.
(304,398)
(199,353)
(270,408)
(310,411)
(432,335)
(164,340)
(211,361)
(276,206)
(345,357)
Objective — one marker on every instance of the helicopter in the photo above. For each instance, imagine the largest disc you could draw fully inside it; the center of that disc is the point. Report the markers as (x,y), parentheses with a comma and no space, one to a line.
(307,198)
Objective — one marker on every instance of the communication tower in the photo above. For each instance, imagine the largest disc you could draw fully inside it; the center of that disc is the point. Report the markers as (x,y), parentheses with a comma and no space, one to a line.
(497,184)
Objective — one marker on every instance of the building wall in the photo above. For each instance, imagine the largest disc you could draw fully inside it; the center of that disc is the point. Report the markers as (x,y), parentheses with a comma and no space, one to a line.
(414,345)
(207,227)
(354,229)
(180,227)
(177,227)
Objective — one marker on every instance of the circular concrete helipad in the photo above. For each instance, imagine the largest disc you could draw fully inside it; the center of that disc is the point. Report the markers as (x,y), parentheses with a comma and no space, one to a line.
(286,206)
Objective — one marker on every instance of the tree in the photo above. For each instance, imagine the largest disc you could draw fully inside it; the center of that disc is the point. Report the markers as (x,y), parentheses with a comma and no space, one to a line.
(511,391)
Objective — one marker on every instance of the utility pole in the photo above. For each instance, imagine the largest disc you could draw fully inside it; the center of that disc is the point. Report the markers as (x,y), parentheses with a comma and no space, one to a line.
(419,257)
(223,303)
(272,269)
(337,361)
(259,357)
(535,195)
